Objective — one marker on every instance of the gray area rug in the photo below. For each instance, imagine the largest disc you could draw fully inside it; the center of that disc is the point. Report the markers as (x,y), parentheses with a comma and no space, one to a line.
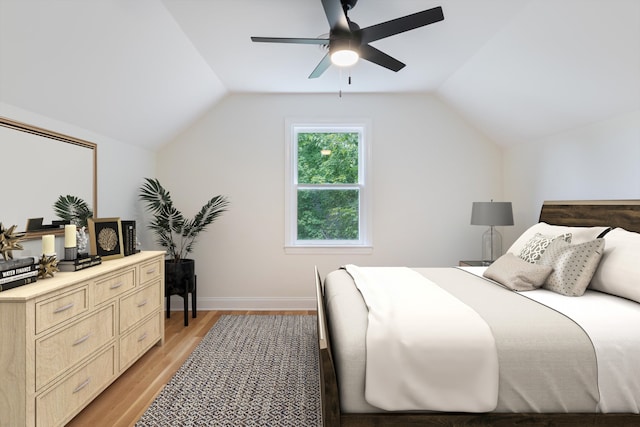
(258,370)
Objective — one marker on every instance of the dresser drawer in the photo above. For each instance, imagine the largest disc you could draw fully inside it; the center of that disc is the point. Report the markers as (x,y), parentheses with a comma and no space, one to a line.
(114,285)
(150,271)
(59,351)
(62,402)
(136,306)
(139,340)
(53,311)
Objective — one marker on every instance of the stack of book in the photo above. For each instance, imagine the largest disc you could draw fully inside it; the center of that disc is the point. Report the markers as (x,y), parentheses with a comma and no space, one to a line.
(17,272)
(129,240)
(80,263)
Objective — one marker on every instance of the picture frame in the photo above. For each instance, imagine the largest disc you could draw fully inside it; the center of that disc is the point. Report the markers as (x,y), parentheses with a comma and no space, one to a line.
(105,238)
(34,224)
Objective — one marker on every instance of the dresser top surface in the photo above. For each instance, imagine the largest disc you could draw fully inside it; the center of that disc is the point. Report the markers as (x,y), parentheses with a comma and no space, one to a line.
(62,280)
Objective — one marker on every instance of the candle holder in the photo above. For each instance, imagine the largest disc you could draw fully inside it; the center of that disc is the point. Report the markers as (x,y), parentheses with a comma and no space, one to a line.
(70,254)
(70,242)
(47,266)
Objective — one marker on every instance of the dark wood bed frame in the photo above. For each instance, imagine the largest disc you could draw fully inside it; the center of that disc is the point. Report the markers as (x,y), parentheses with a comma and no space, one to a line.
(612,213)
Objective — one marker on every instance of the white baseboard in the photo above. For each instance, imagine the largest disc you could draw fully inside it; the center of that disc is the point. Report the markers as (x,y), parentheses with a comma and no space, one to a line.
(205,304)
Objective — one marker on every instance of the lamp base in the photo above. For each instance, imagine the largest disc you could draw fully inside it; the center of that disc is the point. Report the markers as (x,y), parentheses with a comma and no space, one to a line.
(491,245)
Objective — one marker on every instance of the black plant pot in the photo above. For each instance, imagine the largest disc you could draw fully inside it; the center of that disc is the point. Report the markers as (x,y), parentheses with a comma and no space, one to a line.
(180,279)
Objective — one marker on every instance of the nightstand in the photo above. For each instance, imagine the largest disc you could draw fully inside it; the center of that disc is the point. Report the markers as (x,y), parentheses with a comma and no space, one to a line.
(474,263)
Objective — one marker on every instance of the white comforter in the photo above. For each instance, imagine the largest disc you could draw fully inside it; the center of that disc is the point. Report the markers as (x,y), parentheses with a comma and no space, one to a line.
(426,350)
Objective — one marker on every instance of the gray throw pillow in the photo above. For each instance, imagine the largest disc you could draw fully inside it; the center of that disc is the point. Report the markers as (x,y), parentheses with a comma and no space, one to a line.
(536,246)
(516,273)
(573,265)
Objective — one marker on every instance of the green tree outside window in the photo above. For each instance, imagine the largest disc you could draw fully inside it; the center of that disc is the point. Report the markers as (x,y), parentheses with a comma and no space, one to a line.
(327,169)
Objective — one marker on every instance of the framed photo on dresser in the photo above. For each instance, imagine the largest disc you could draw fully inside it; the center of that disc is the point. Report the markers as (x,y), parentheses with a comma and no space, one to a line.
(105,238)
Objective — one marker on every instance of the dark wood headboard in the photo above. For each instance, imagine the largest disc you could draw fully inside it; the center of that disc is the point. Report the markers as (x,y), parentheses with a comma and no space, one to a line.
(590,213)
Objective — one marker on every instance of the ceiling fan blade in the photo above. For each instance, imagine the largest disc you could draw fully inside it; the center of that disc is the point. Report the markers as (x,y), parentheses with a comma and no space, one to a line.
(289,40)
(335,15)
(400,25)
(376,56)
(321,67)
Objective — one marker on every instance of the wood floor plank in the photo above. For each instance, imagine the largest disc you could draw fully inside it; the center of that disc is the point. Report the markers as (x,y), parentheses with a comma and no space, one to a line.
(124,401)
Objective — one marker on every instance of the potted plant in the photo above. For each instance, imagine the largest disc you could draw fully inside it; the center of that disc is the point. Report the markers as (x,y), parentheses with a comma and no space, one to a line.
(76,211)
(177,234)
(73,209)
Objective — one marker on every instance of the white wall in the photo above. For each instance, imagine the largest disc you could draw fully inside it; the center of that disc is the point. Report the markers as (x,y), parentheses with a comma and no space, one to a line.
(428,167)
(120,171)
(599,161)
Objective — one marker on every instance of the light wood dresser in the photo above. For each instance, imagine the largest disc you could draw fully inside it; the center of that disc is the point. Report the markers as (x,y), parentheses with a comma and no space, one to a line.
(64,339)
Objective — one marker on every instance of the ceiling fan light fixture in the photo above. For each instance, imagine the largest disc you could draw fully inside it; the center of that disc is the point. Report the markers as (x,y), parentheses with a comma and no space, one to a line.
(344,57)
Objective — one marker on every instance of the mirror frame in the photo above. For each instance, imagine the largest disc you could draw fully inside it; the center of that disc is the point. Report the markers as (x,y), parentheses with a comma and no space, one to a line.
(55,136)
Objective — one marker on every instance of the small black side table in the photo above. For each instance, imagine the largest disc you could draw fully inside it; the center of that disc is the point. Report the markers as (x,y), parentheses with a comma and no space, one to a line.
(184,291)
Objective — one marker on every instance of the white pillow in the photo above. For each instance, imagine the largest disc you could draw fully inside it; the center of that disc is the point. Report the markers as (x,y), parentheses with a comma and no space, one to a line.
(619,270)
(578,234)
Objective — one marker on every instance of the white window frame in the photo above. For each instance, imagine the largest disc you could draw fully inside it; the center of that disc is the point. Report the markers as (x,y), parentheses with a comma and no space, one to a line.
(364,243)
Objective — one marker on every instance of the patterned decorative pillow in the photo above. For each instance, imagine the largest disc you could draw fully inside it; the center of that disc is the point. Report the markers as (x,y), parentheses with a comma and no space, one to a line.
(578,234)
(517,274)
(536,246)
(573,265)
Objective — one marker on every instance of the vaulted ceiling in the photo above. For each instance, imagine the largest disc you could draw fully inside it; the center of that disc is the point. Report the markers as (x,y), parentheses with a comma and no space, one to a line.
(141,71)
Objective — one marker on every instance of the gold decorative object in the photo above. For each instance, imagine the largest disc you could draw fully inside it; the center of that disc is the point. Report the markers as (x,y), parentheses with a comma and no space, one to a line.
(9,241)
(108,239)
(47,266)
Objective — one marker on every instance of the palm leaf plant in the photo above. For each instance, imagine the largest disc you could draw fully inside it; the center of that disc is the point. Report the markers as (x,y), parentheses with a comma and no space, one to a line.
(73,209)
(173,231)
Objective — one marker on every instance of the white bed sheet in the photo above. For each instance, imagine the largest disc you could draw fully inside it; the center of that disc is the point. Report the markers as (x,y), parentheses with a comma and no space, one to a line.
(613,325)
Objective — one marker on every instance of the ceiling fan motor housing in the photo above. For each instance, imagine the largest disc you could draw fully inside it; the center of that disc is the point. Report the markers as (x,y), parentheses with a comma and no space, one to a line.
(349,4)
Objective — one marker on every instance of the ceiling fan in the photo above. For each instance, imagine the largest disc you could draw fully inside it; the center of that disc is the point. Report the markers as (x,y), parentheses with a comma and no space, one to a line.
(347,41)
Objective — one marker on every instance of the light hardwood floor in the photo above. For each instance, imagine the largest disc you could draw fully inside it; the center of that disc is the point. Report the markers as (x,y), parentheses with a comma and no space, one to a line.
(124,402)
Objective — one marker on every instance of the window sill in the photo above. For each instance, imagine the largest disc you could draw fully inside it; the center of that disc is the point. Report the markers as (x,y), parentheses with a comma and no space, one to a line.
(319,250)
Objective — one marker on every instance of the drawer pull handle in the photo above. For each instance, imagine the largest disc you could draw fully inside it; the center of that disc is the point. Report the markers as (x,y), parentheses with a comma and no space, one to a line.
(63,308)
(81,340)
(143,303)
(82,385)
(142,337)
(151,270)
(115,285)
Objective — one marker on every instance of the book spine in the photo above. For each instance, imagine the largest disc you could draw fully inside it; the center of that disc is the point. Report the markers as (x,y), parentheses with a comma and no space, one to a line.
(15,273)
(16,263)
(129,237)
(67,267)
(132,239)
(19,282)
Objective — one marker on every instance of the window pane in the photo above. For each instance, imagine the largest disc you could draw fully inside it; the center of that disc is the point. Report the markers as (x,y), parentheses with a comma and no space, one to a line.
(328,214)
(328,158)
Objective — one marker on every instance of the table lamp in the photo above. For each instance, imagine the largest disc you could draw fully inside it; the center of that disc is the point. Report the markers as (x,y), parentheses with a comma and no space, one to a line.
(491,214)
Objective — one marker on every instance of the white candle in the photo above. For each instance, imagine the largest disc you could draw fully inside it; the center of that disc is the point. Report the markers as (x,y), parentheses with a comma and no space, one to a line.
(48,244)
(70,236)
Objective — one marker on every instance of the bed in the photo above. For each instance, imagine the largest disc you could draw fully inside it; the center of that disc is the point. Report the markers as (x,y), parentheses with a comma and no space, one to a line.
(573,377)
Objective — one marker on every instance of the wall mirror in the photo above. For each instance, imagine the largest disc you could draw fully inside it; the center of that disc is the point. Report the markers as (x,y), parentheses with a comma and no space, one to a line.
(38,166)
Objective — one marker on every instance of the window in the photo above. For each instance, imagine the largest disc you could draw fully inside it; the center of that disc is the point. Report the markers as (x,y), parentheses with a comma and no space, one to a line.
(327,194)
